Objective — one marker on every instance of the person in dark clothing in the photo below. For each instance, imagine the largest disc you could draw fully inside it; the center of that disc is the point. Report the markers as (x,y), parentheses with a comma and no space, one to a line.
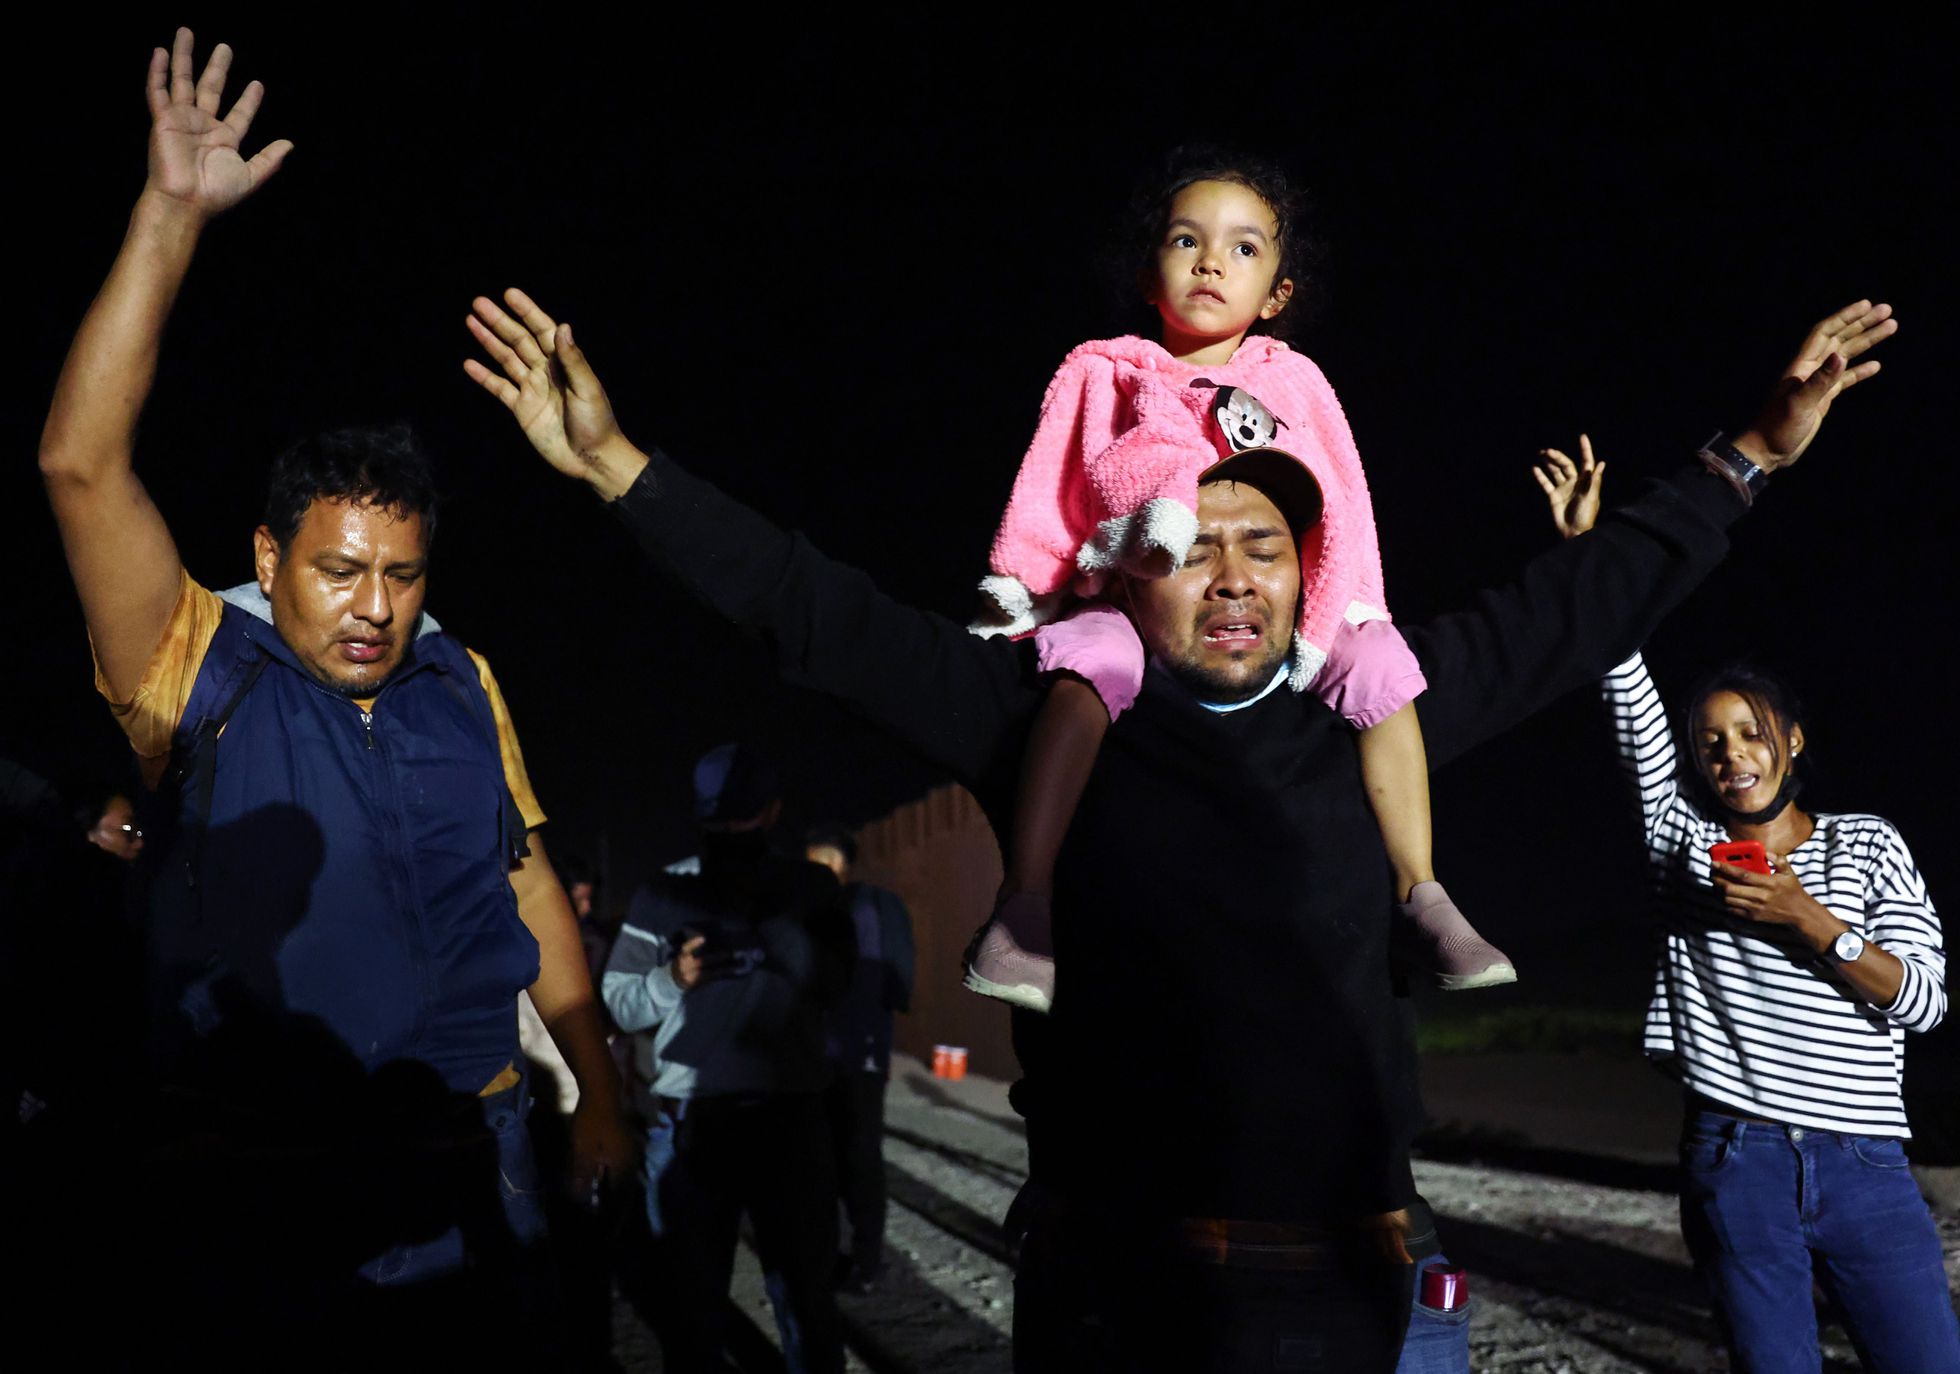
(67,874)
(70,1033)
(1237,1176)
(728,974)
(860,1047)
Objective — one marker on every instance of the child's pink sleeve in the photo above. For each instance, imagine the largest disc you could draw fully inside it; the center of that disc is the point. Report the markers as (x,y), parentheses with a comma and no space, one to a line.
(1370,674)
(1098,644)
(1050,512)
(1047,510)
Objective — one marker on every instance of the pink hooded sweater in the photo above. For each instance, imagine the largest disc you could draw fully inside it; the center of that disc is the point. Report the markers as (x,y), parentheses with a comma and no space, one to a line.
(1111,480)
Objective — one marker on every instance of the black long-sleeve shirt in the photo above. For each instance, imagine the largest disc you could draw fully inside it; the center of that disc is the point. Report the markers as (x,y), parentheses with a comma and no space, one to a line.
(1225,1040)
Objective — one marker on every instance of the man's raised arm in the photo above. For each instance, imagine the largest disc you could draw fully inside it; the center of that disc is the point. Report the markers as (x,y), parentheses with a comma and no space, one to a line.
(956,699)
(1582,607)
(119,549)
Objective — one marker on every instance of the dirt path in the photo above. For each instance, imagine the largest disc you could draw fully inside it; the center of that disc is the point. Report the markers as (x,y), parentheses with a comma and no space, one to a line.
(1576,1265)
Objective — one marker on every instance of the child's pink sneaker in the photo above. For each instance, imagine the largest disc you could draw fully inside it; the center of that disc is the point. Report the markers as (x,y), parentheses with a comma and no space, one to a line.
(1440,939)
(1012,957)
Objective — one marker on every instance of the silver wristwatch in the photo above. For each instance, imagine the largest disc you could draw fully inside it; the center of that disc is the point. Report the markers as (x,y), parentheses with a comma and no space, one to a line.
(1728,462)
(1847,947)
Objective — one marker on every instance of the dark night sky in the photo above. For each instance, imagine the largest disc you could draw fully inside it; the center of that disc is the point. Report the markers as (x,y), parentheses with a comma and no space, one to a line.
(833,266)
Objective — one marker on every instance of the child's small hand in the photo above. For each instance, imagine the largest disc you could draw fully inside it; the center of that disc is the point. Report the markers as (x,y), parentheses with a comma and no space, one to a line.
(1572,489)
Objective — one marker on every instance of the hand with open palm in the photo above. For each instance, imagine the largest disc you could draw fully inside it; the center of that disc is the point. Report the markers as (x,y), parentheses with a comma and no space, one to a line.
(196,162)
(1823,368)
(552,392)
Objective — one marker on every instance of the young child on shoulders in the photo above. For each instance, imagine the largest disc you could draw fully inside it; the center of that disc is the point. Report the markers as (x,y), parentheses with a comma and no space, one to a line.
(1109,490)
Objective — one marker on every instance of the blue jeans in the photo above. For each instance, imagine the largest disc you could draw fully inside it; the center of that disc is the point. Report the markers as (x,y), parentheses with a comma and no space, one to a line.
(481,1238)
(1759,1201)
(654,1163)
(1437,1342)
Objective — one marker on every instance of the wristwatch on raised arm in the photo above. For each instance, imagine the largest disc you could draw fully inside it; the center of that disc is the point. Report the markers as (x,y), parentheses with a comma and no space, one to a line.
(1847,947)
(1729,463)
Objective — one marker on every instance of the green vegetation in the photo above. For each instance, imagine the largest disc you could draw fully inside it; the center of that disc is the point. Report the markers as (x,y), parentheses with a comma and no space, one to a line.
(1538,1030)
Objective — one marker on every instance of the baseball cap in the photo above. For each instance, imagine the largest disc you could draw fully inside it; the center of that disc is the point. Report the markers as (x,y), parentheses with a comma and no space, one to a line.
(734,782)
(1282,477)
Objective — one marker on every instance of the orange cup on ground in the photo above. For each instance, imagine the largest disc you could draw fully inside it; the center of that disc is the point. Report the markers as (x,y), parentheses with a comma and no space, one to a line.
(956,1061)
(942,1060)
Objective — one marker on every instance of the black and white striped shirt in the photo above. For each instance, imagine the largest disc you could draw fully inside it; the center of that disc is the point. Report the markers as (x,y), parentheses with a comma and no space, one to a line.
(1745,1013)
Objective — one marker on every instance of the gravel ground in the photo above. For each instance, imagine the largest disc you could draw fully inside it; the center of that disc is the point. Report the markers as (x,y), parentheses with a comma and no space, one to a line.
(1576,1264)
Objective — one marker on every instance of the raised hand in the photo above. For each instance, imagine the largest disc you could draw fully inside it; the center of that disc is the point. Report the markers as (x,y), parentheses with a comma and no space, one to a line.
(1824,367)
(552,391)
(1571,488)
(195,158)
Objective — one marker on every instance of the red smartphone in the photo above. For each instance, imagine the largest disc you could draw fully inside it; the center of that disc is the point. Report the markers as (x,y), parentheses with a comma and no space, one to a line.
(1748,854)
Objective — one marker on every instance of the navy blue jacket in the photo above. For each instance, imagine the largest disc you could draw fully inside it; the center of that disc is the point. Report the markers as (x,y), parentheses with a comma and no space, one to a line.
(334,885)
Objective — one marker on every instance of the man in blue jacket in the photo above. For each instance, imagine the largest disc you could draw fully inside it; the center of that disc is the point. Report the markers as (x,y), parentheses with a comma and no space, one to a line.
(348,889)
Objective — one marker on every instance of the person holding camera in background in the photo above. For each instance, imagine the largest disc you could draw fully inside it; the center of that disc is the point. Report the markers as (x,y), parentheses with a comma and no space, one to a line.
(729,973)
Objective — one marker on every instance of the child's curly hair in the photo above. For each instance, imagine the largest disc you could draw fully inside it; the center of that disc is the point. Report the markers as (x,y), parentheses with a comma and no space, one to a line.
(1300,254)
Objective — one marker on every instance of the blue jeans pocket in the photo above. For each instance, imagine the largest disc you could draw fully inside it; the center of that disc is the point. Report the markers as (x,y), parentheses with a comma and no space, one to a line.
(1437,1342)
(1436,1316)
(518,1186)
(1705,1153)
(1880,1152)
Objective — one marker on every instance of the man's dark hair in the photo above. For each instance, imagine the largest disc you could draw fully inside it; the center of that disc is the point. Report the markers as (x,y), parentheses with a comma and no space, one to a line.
(381,465)
(1300,254)
(1778,712)
(833,837)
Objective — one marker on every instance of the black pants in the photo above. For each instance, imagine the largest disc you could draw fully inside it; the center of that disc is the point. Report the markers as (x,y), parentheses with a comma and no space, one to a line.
(1089,1308)
(857,1133)
(768,1157)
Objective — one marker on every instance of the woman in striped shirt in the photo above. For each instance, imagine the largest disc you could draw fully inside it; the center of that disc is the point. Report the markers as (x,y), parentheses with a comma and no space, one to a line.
(1781,1002)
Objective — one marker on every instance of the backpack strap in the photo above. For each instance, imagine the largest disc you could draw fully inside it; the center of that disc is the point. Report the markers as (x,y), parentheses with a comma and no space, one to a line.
(194,751)
(202,766)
